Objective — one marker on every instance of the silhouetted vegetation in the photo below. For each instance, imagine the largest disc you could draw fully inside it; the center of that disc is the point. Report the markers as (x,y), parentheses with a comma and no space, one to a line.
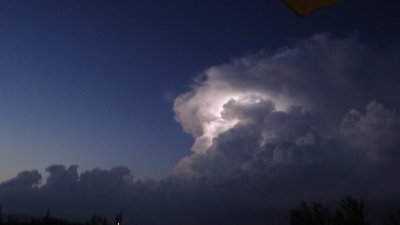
(349,212)
(392,219)
(49,220)
(316,214)
(97,220)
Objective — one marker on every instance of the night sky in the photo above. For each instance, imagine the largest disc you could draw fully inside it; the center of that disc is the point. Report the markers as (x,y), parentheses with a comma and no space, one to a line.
(230,109)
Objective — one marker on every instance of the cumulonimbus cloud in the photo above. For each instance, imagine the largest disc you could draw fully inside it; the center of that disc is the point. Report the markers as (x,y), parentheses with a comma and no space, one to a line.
(305,116)
(296,96)
(315,120)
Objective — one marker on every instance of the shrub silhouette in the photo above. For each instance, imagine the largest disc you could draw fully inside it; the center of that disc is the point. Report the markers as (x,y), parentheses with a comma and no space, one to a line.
(8,219)
(350,212)
(316,215)
(97,220)
(392,219)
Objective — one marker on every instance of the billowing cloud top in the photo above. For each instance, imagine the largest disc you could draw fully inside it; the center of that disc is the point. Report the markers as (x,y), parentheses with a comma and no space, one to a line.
(316,120)
(288,107)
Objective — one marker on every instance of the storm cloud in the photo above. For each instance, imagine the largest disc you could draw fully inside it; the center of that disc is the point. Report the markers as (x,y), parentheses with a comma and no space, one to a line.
(304,116)
(305,122)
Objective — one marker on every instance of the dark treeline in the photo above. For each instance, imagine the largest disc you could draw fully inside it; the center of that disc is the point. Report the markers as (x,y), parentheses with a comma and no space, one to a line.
(6,219)
(21,220)
(349,212)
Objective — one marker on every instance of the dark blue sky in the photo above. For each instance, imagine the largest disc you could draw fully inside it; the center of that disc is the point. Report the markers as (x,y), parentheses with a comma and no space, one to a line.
(85,82)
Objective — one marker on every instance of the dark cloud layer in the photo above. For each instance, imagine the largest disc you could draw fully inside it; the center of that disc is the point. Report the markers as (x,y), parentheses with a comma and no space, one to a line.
(316,120)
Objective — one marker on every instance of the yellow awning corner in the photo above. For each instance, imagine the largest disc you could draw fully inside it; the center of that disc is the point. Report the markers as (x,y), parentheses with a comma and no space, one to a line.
(305,7)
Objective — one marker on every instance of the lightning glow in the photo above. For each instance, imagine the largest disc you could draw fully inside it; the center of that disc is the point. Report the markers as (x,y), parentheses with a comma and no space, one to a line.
(213,106)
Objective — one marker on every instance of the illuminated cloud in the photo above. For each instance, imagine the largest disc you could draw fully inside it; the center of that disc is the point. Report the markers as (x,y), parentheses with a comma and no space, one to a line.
(374,130)
(270,130)
(291,107)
